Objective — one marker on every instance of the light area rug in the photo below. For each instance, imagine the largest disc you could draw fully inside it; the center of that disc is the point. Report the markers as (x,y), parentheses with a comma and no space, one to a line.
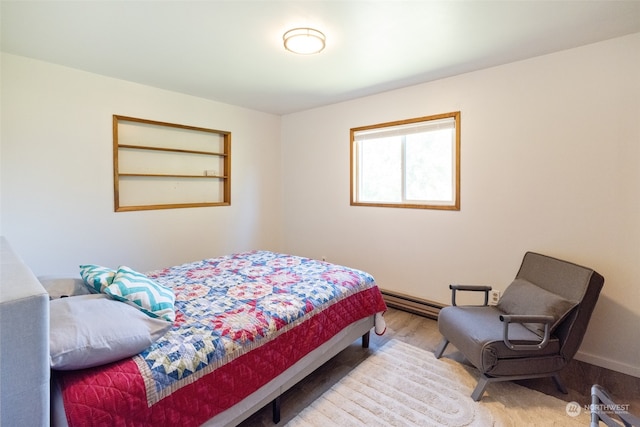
(401,385)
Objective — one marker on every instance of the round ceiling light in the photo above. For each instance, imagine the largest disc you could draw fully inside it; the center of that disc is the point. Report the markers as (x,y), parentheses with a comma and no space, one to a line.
(305,41)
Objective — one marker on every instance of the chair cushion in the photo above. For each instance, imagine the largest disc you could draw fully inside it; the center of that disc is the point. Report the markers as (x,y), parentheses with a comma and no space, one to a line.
(478,333)
(524,297)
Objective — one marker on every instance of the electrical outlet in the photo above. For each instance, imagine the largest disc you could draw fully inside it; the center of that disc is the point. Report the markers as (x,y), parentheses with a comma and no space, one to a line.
(494,297)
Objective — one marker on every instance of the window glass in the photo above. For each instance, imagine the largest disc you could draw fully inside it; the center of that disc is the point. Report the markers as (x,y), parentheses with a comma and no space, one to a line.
(412,163)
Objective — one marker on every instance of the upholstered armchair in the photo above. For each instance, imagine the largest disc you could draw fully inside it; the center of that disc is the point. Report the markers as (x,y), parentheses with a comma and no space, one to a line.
(535,329)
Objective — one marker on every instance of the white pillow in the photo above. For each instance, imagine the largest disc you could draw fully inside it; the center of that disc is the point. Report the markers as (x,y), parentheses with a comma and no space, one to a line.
(92,330)
(63,286)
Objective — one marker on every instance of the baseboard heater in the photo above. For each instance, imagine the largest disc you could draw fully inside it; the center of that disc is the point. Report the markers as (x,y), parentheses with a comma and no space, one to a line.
(419,306)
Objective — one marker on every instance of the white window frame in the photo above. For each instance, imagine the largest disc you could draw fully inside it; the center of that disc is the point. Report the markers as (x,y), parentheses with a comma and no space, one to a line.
(400,129)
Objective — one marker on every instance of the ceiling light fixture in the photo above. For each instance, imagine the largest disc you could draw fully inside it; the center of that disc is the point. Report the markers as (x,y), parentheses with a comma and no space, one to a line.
(304,41)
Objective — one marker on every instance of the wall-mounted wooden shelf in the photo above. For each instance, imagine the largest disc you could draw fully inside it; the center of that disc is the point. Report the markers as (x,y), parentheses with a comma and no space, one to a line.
(172,175)
(158,165)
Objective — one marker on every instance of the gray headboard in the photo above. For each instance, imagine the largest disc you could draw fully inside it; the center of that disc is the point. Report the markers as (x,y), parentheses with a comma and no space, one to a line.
(24,344)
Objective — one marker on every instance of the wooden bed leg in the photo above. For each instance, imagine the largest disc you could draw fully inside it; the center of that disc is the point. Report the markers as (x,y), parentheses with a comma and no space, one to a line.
(365,340)
(276,410)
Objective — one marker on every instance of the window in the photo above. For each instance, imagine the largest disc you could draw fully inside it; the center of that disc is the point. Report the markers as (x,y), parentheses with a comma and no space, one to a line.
(411,163)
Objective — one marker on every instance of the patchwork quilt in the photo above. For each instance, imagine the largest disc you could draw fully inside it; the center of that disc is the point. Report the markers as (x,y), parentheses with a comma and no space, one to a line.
(240,321)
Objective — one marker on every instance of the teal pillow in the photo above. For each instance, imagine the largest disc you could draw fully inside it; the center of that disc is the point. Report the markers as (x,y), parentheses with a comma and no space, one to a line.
(96,277)
(138,290)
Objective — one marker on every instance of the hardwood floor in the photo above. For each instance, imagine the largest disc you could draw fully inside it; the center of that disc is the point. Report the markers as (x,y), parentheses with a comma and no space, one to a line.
(423,333)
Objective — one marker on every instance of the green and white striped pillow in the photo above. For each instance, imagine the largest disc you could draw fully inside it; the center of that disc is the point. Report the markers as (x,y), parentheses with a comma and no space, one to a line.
(96,277)
(141,292)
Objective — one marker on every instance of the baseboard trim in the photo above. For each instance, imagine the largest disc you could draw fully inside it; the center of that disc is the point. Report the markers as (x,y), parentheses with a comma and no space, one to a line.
(419,306)
(603,362)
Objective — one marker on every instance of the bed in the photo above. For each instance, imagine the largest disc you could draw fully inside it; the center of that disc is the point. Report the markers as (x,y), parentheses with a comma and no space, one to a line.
(245,328)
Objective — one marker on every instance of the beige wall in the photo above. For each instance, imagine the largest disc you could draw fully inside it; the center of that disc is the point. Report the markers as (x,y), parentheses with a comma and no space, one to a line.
(57,176)
(550,163)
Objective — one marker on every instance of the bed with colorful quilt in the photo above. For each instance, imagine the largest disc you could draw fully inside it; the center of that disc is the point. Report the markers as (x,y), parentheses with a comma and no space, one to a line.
(224,337)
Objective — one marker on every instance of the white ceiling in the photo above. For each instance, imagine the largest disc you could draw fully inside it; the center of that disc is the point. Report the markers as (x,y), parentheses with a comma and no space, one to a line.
(231,51)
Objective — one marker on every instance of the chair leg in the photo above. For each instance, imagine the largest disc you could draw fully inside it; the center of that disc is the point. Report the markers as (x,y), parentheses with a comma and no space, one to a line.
(479,391)
(559,384)
(443,344)
(484,380)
